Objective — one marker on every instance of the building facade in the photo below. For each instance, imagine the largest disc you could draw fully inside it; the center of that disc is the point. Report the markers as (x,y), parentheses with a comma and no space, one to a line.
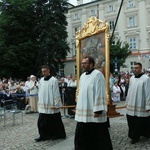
(133,27)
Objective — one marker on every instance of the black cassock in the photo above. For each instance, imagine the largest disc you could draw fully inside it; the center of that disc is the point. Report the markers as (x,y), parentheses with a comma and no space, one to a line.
(138,126)
(50,126)
(92,136)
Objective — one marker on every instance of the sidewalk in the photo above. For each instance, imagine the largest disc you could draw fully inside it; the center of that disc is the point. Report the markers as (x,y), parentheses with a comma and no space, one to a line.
(21,136)
(118,133)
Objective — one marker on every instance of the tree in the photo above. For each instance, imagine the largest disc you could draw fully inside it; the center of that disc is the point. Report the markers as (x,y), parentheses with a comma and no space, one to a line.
(32,33)
(51,32)
(18,47)
(118,54)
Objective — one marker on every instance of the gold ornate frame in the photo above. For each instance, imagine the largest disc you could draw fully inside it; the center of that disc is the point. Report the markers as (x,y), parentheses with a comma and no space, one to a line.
(94,30)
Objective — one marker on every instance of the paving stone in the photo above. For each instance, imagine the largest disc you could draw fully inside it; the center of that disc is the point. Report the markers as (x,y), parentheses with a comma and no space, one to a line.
(21,136)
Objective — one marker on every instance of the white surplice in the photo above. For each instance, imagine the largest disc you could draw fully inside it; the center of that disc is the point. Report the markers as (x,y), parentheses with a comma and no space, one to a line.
(91,98)
(138,98)
(49,96)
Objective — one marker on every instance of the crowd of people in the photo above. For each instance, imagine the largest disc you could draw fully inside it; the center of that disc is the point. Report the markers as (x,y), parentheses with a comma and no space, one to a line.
(91,110)
(119,85)
(24,94)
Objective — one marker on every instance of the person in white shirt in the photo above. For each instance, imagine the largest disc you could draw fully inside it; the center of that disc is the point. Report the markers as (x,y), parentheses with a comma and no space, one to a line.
(27,83)
(33,90)
(91,110)
(67,79)
(138,105)
(12,87)
(50,125)
(73,82)
(122,79)
(116,92)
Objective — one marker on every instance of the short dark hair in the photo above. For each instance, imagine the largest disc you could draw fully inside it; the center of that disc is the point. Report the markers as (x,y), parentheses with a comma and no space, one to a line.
(91,60)
(45,66)
(139,64)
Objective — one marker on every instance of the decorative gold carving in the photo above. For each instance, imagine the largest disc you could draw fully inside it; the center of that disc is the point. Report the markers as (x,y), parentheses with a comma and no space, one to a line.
(92,27)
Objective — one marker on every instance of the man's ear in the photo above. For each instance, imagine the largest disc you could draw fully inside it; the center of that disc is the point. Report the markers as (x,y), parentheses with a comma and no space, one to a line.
(91,65)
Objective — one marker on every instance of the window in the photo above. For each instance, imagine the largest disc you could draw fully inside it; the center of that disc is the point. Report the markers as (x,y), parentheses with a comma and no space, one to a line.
(111,7)
(112,25)
(75,29)
(92,12)
(74,51)
(132,21)
(133,43)
(131,3)
(132,63)
(75,69)
(76,16)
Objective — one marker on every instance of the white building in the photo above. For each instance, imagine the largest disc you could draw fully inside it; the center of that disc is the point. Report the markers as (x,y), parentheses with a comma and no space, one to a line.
(133,26)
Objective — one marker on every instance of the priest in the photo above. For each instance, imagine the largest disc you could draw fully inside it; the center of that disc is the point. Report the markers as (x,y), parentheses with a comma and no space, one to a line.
(138,105)
(91,110)
(50,125)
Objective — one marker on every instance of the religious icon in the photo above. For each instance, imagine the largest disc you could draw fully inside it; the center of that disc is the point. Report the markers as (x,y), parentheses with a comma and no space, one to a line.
(93,40)
(94,46)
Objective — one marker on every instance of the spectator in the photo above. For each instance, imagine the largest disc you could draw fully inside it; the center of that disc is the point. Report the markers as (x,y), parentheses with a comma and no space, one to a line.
(1,94)
(67,79)
(12,86)
(127,86)
(8,99)
(73,82)
(62,83)
(117,79)
(111,80)
(33,88)
(27,83)
(122,79)
(20,98)
(148,72)
(123,92)
(116,92)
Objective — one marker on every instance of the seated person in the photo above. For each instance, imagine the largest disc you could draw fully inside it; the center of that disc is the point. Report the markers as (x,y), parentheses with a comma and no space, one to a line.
(20,98)
(8,101)
(12,86)
(1,95)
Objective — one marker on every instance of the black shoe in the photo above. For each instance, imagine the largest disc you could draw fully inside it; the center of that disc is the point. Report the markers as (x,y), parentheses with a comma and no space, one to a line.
(39,139)
(134,141)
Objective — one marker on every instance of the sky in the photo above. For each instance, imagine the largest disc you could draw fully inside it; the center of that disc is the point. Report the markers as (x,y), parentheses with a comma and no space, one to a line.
(74,2)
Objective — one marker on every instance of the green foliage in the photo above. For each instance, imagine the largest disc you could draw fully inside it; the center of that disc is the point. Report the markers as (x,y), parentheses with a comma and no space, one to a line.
(17,42)
(32,33)
(51,29)
(119,50)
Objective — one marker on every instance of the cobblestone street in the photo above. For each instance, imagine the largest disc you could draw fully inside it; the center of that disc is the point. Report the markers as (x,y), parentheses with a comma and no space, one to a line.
(21,136)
